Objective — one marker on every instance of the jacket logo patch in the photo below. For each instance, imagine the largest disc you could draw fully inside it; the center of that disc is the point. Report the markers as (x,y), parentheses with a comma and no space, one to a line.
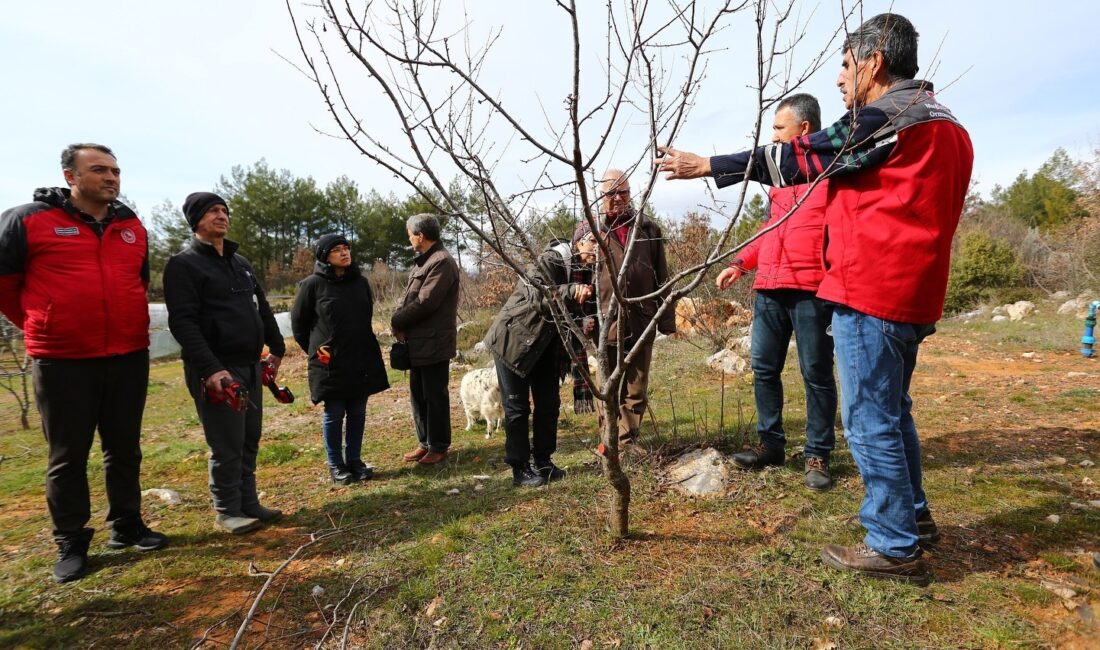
(71,231)
(128,236)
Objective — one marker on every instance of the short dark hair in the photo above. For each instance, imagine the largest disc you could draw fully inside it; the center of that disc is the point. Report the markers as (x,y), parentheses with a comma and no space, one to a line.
(68,154)
(892,35)
(424,224)
(805,109)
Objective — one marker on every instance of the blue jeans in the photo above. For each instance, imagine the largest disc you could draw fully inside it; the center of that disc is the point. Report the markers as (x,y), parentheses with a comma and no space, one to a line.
(338,446)
(776,315)
(875,361)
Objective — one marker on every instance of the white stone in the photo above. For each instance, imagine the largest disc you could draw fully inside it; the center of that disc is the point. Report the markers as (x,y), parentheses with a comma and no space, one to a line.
(480,477)
(998,311)
(1086,463)
(1061,591)
(171,497)
(1028,355)
(743,345)
(1059,295)
(728,362)
(703,471)
(1053,519)
(1068,307)
(452,492)
(999,319)
(1020,310)
(318,591)
(480,347)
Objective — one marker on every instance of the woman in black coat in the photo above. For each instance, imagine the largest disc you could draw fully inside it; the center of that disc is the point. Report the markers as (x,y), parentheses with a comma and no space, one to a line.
(331,320)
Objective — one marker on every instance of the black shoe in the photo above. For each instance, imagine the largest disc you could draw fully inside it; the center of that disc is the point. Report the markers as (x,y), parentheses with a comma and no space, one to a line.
(137,535)
(340,475)
(360,470)
(72,556)
(524,476)
(817,475)
(928,533)
(549,471)
(759,456)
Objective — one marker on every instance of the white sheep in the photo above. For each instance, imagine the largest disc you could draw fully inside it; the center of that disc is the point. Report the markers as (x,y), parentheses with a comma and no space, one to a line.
(480,394)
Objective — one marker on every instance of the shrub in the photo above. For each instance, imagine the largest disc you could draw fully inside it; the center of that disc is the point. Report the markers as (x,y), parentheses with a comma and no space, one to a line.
(984,264)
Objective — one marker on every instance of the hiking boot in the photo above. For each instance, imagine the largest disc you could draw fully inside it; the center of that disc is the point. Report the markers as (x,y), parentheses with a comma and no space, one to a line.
(340,475)
(524,476)
(415,455)
(137,535)
(759,456)
(864,559)
(72,556)
(549,471)
(236,524)
(928,533)
(360,470)
(816,474)
(433,457)
(264,514)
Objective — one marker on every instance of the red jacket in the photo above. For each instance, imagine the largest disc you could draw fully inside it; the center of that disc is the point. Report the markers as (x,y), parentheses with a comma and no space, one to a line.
(899,169)
(789,257)
(75,294)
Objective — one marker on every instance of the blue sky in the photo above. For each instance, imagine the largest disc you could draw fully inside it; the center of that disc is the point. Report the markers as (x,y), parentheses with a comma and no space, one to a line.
(184,91)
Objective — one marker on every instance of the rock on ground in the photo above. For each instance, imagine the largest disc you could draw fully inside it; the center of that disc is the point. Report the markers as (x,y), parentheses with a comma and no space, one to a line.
(702,472)
(1020,310)
(728,361)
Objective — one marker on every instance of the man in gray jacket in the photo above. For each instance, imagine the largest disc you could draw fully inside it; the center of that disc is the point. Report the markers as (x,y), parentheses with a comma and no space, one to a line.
(426,321)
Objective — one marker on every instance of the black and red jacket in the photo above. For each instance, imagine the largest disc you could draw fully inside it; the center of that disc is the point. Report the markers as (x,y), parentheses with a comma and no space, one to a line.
(898,171)
(75,293)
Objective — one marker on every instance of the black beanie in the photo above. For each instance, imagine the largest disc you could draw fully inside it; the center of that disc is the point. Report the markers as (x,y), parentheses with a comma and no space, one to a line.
(326,243)
(197,203)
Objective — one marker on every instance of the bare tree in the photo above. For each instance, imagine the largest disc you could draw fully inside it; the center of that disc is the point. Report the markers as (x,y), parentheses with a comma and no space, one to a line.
(445,121)
(15,367)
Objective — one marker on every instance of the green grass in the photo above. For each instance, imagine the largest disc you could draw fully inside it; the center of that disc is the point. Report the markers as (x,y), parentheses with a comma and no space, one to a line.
(502,568)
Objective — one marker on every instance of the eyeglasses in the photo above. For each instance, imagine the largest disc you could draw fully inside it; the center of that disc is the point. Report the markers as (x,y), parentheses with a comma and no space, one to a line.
(619,193)
(342,248)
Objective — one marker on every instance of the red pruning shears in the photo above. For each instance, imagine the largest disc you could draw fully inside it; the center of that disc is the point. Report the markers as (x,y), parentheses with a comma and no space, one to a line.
(234,395)
(324,355)
(282,393)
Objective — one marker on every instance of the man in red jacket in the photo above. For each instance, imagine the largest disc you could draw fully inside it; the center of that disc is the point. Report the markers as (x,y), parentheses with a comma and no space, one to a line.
(899,165)
(787,261)
(74,269)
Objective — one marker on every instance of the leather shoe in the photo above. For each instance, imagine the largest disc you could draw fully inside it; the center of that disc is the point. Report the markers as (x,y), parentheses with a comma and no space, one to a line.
(415,455)
(264,514)
(360,470)
(864,559)
(759,456)
(816,474)
(524,476)
(549,471)
(340,475)
(433,457)
(928,533)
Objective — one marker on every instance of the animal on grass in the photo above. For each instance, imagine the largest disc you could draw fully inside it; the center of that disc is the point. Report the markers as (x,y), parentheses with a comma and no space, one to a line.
(481,399)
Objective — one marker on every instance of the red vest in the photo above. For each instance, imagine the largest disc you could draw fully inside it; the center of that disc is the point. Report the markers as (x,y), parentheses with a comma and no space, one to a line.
(82,296)
(790,256)
(888,230)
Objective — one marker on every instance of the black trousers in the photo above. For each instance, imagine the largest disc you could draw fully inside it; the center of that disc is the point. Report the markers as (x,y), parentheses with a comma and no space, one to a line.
(542,386)
(233,438)
(431,405)
(75,397)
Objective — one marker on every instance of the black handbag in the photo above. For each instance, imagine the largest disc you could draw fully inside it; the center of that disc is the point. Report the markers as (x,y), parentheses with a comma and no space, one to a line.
(399,356)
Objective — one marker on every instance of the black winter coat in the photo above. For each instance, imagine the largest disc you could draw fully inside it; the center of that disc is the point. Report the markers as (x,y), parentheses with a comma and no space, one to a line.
(336,312)
(216,309)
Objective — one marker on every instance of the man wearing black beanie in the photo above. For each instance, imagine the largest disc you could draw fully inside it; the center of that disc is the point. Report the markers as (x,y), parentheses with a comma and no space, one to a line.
(219,314)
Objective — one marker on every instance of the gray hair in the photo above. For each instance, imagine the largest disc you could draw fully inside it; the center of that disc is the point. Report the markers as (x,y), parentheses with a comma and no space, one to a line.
(68,154)
(805,109)
(892,35)
(424,224)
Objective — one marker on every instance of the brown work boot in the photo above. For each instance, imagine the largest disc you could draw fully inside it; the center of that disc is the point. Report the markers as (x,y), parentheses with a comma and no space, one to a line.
(433,457)
(863,559)
(415,455)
